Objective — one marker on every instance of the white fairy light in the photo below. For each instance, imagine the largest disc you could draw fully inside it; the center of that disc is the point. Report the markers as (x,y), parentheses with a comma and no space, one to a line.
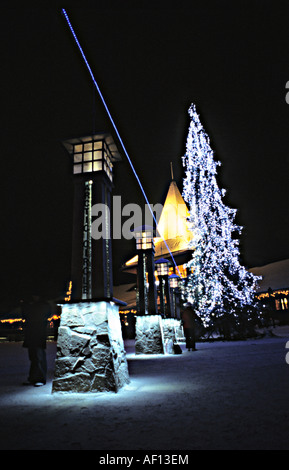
(218,281)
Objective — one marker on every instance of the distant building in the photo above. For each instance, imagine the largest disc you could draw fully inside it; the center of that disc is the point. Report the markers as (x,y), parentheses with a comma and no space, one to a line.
(173,227)
(274,284)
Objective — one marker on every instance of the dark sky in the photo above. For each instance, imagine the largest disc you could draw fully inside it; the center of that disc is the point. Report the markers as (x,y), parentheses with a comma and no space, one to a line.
(230,58)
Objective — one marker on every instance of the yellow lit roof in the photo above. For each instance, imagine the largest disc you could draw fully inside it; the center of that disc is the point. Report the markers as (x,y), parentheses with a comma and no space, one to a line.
(173,226)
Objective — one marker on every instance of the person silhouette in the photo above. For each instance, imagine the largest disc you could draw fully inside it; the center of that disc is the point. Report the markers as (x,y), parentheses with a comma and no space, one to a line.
(36,313)
(189,317)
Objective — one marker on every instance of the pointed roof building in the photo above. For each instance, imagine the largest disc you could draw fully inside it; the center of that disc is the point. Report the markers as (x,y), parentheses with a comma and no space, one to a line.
(174,231)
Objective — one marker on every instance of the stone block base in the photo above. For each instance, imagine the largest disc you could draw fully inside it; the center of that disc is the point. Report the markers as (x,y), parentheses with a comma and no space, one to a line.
(170,329)
(180,335)
(90,350)
(149,335)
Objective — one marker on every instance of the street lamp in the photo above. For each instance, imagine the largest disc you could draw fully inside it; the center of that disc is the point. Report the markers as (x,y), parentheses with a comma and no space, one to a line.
(92,154)
(174,284)
(174,281)
(92,159)
(144,236)
(162,266)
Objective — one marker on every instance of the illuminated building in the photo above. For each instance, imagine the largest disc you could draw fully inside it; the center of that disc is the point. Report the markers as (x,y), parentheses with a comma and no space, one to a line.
(274,285)
(173,228)
(175,235)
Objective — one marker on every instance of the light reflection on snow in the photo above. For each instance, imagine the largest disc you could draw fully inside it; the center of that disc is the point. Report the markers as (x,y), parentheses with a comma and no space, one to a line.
(151,379)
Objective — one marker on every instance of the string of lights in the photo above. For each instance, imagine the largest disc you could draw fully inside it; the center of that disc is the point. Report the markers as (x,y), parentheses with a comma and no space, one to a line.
(219,282)
(115,128)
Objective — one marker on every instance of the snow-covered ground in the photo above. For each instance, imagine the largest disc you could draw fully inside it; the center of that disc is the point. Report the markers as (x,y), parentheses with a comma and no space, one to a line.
(226,395)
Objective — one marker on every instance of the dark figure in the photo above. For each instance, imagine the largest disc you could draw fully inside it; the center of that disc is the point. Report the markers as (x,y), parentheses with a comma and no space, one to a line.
(189,318)
(36,314)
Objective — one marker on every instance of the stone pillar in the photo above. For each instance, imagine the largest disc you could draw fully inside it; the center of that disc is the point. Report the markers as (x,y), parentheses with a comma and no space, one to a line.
(90,350)
(180,335)
(149,335)
(170,332)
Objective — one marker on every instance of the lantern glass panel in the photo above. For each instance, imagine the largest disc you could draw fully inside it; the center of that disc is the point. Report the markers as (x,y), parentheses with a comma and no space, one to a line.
(146,245)
(174,281)
(162,269)
(97,155)
(87,156)
(77,169)
(87,167)
(88,147)
(144,240)
(98,145)
(78,148)
(78,158)
(97,166)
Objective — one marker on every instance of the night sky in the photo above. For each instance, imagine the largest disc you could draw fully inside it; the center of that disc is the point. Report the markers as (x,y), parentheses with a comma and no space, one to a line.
(230,58)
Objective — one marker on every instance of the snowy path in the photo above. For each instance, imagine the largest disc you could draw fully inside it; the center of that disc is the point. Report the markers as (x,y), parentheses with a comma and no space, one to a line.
(223,396)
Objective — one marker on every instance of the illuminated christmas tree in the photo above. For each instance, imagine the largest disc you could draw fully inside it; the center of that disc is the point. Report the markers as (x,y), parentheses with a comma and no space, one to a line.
(218,283)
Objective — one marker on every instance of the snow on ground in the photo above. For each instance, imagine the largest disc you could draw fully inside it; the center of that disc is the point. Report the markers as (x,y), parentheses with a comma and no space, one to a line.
(226,395)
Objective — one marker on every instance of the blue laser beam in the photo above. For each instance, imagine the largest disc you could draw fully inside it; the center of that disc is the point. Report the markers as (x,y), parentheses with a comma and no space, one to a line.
(115,128)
